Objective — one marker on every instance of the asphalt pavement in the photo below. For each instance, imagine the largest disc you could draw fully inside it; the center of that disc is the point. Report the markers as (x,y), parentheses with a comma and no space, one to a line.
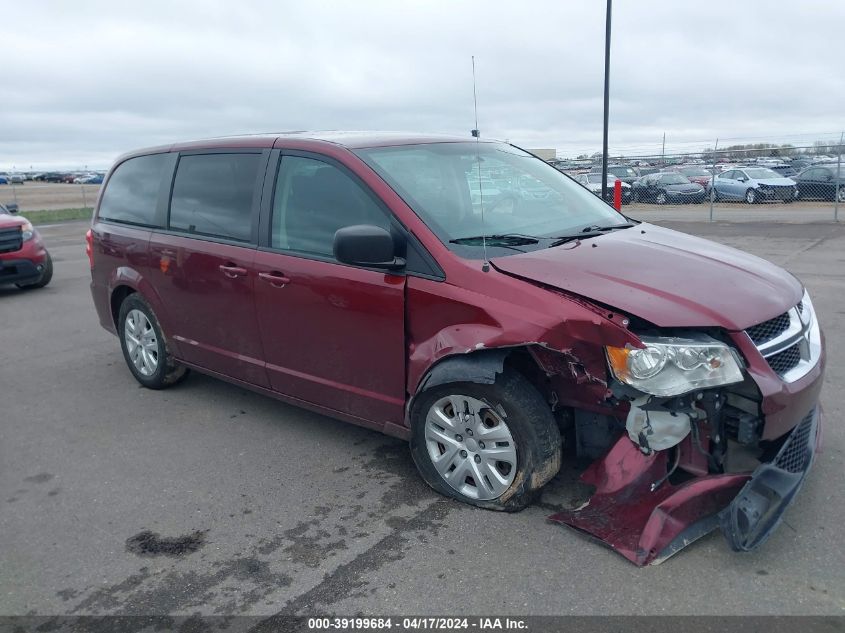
(210,499)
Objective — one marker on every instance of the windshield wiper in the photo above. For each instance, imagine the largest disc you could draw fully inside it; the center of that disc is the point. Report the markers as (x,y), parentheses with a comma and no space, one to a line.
(593,230)
(508,238)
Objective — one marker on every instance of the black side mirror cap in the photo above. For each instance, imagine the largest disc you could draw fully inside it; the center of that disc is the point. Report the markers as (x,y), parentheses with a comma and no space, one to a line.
(366,245)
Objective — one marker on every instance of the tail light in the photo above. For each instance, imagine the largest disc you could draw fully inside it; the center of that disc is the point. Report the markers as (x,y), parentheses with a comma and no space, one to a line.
(89,247)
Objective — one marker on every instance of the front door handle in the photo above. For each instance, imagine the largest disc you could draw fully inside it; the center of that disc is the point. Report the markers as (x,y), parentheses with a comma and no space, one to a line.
(232,271)
(275,279)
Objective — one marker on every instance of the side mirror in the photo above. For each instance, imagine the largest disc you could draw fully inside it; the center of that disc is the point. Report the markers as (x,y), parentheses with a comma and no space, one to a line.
(12,207)
(366,245)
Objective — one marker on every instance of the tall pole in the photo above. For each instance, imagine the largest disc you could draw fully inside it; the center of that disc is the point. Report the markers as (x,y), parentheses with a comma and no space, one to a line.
(606,100)
(713,179)
(838,179)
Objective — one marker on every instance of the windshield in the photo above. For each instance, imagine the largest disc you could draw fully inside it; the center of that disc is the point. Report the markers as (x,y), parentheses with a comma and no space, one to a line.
(445,184)
(673,179)
(760,172)
(692,172)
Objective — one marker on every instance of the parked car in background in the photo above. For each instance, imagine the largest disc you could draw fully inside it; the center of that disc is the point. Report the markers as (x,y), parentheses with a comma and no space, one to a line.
(24,261)
(593,183)
(4,180)
(51,176)
(753,184)
(88,179)
(821,182)
(667,188)
(694,173)
(800,163)
(16,179)
(787,171)
(622,172)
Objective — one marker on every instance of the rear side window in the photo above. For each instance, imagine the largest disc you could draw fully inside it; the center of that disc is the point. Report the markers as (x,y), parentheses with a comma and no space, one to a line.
(132,191)
(213,195)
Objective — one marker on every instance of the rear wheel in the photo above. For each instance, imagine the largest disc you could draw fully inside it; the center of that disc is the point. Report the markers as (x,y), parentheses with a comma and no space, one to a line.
(751,196)
(144,346)
(44,279)
(491,446)
(840,194)
(660,198)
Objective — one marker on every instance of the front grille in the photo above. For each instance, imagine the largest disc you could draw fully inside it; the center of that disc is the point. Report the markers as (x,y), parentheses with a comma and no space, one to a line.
(10,239)
(783,361)
(795,454)
(768,330)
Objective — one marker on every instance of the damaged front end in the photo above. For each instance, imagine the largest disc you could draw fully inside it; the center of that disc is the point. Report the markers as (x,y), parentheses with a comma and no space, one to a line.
(683,461)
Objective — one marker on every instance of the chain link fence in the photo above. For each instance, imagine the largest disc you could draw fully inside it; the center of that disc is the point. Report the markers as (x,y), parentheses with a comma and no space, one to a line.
(743,181)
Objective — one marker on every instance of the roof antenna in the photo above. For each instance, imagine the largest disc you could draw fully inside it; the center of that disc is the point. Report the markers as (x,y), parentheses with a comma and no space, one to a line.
(486,265)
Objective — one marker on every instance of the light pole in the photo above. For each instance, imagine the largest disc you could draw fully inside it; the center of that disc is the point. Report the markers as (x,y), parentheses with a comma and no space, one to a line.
(606,100)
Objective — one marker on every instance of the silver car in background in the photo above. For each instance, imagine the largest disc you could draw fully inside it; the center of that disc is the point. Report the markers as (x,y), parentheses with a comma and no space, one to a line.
(753,184)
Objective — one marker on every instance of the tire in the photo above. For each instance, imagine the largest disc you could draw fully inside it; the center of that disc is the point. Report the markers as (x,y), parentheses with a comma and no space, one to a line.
(510,412)
(46,276)
(750,196)
(635,197)
(840,194)
(660,198)
(153,366)
(715,195)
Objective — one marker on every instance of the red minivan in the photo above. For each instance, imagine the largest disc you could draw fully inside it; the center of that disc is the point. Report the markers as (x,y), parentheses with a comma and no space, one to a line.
(470,298)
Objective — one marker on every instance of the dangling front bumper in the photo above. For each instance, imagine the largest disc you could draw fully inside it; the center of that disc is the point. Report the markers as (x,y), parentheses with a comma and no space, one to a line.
(647,524)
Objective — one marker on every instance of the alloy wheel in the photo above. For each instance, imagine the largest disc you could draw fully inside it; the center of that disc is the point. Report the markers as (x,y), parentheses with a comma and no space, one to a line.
(471,447)
(141,342)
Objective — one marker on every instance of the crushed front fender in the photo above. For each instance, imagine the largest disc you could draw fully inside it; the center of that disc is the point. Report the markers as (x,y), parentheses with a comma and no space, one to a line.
(646,519)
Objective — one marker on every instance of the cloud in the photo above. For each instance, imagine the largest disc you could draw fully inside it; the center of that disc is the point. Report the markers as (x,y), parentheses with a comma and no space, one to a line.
(82,86)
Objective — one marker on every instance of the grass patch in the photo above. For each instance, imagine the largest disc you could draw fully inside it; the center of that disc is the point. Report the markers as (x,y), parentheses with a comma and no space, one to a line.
(49,216)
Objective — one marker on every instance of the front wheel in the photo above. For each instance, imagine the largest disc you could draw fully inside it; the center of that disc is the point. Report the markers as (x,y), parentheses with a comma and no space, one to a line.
(491,446)
(840,194)
(144,346)
(661,197)
(751,196)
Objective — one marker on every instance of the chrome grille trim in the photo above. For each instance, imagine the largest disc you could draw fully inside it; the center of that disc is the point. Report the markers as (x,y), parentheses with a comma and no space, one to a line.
(802,335)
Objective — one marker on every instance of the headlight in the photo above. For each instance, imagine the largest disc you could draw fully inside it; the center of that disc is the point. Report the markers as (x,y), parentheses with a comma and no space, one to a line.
(670,366)
(27,232)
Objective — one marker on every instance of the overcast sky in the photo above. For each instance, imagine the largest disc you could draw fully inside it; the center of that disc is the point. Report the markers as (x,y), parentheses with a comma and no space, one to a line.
(83,82)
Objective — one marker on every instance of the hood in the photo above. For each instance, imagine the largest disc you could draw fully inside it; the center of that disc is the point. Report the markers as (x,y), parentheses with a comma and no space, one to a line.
(684,187)
(668,278)
(776,182)
(7,220)
(596,186)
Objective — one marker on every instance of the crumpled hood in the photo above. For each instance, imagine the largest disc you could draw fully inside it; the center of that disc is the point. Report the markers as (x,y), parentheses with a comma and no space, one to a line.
(668,278)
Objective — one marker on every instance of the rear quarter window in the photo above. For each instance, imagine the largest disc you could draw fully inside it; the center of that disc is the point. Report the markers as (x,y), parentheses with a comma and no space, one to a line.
(132,191)
(213,195)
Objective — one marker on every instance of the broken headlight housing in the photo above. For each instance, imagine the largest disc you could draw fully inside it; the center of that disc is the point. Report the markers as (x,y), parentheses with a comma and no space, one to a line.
(672,366)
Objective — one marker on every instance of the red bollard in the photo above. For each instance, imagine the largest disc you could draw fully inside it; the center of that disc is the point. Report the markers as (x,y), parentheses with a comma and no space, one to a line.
(617,195)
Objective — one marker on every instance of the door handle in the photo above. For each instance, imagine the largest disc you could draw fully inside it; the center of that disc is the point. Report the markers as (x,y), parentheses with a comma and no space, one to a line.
(232,271)
(275,279)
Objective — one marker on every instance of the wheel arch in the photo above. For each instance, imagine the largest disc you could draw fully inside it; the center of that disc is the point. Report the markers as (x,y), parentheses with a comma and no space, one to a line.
(482,367)
(125,281)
